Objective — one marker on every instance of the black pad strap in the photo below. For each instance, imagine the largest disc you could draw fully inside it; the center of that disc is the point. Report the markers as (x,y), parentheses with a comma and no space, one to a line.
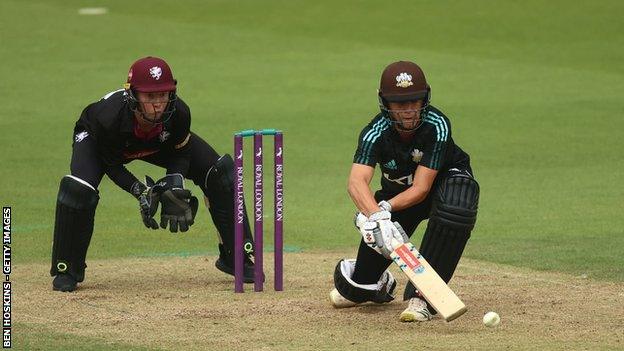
(382,292)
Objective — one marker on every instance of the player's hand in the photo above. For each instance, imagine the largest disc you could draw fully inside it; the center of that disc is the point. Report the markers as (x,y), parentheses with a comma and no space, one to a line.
(179,207)
(379,233)
(384,232)
(367,230)
(385,205)
(148,201)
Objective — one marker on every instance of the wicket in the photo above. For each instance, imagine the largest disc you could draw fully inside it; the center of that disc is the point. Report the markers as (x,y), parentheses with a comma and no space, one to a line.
(239,209)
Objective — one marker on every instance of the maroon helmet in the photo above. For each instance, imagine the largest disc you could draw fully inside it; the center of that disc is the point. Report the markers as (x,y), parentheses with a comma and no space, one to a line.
(150,75)
(403,81)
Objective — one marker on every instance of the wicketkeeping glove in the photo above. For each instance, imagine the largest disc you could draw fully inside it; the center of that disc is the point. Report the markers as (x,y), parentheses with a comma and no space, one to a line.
(148,201)
(179,207)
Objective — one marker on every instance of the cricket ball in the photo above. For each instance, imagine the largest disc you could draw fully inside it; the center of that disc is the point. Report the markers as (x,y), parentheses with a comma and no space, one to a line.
(491,319)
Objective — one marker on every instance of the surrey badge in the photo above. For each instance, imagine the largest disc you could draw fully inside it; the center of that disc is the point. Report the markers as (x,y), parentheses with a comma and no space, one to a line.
(404,80)
(417,155)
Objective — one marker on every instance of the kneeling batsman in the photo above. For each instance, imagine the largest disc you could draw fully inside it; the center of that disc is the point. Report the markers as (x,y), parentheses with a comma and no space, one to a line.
(179,207)
(383,236)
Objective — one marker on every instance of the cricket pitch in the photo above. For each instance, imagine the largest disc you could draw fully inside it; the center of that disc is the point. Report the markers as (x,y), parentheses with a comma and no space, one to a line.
(184,303)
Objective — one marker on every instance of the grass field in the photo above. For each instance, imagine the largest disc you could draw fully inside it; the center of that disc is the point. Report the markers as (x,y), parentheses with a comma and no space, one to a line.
(534,91)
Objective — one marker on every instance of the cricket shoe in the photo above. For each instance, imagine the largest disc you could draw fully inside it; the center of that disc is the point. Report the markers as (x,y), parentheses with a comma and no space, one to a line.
(416,311)
(248,270)
(64,282)
(339,301)
(225,264)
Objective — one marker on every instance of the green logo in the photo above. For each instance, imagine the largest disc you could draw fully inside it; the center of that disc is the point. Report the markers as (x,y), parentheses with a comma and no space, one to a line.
(248,247)
(61,267)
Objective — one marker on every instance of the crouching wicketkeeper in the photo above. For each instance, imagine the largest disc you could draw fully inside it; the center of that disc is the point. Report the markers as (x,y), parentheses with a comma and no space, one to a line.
(146,121)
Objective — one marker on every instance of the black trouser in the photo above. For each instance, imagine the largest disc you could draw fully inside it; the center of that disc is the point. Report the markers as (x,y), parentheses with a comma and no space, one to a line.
(86,164)
(370,265)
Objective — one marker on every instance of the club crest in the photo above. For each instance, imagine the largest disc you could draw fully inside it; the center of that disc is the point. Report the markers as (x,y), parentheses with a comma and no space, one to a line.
(417,155)
(404,80)
(164,135)
(156,72)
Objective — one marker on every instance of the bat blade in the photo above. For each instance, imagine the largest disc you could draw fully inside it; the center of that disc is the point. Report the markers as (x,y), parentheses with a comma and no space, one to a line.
(428,282)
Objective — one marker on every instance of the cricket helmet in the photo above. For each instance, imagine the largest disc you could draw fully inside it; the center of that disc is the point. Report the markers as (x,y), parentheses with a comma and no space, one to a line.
(403,81)
(151,74)
(148,75)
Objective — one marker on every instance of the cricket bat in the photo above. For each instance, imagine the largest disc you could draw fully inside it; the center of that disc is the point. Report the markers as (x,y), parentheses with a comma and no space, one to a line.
(427,281)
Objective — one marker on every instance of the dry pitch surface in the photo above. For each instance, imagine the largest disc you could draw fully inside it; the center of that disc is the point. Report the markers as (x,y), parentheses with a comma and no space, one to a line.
(177,303)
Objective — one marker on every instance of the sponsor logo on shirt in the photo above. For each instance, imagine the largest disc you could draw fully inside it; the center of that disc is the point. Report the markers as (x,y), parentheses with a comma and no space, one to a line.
(405,180)
(391,164)
(138,154)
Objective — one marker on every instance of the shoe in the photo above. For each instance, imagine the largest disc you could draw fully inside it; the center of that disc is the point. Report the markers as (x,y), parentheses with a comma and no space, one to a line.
(416,311)
(248,269)
(338,301)
(64,282)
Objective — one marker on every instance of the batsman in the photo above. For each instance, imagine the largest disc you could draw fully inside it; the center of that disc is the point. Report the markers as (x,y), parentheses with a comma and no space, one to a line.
(147,121)
(424,174)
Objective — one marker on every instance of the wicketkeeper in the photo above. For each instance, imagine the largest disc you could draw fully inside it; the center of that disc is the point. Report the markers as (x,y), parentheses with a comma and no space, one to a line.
(148,121)
(424,175)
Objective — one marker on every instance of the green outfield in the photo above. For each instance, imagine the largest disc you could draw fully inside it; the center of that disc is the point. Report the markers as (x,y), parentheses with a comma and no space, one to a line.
(534,91)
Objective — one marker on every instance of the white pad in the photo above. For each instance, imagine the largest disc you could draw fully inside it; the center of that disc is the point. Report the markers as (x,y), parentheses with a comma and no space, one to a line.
(347,267)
